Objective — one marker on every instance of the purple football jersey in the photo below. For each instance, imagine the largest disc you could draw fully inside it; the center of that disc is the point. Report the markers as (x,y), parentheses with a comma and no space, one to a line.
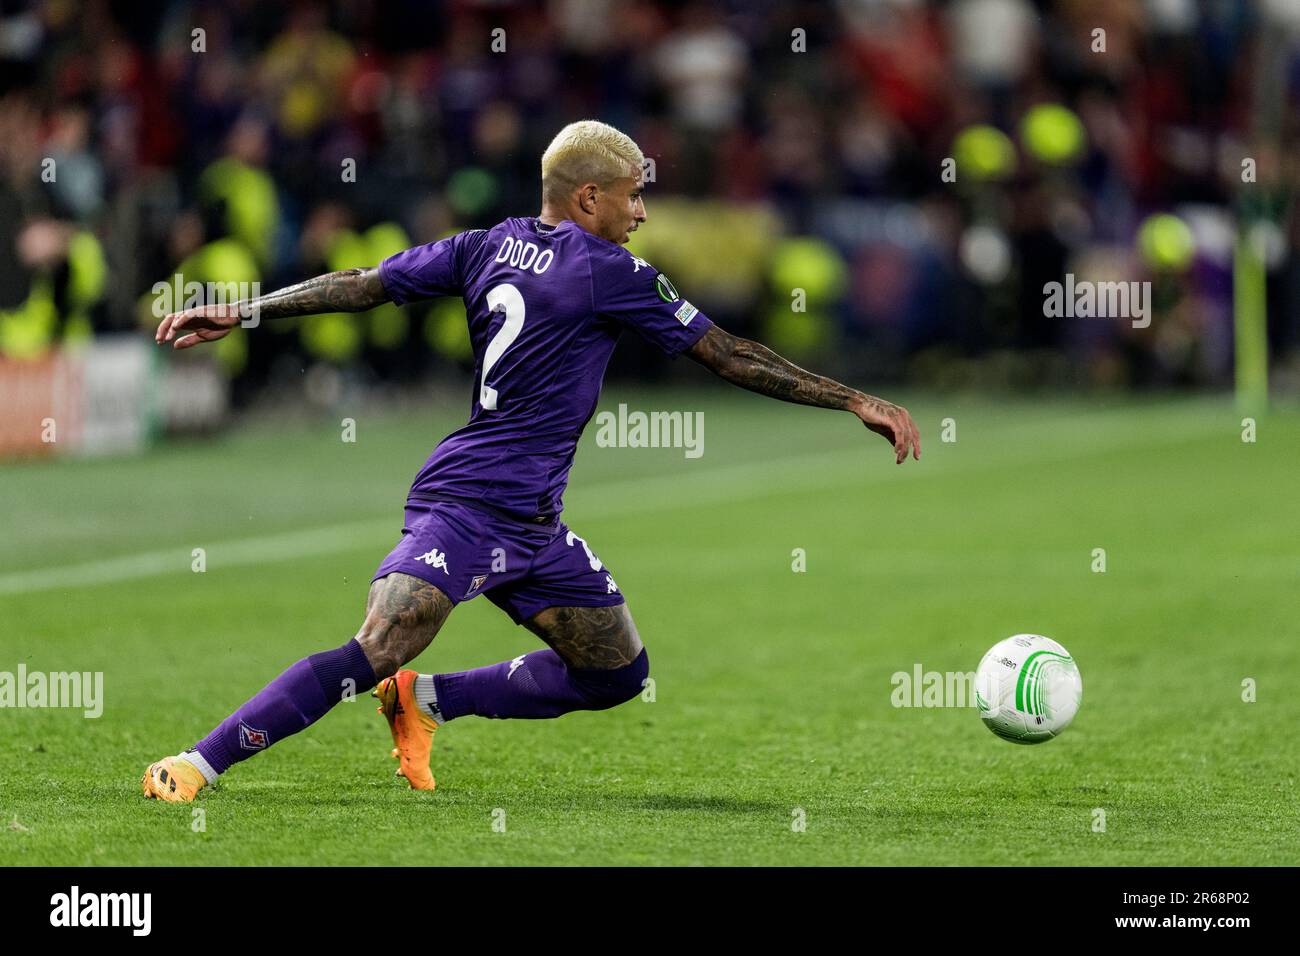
(545,307)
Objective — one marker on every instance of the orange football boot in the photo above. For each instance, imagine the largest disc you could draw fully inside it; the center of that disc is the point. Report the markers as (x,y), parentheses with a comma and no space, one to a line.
(412,728)
(173,779)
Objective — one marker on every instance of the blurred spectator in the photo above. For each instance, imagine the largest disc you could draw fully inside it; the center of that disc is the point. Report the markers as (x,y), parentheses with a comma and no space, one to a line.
(277,141)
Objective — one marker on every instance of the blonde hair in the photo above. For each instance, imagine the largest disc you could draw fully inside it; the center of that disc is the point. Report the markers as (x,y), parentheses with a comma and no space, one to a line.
(587,152)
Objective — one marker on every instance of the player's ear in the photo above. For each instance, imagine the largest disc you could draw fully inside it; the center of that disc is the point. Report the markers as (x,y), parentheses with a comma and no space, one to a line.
(588,195)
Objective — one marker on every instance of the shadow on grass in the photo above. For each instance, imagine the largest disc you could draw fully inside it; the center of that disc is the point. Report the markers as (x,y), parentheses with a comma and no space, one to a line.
(678,801)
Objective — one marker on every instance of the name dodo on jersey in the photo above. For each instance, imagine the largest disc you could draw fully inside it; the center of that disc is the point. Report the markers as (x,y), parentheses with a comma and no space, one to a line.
(525,256)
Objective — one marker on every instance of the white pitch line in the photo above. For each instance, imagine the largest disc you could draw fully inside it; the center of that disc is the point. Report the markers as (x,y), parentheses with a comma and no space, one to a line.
(612,498)
(277,547)
(602,500)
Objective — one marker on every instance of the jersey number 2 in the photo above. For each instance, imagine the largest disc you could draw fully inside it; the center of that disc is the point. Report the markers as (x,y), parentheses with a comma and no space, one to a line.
(502,298)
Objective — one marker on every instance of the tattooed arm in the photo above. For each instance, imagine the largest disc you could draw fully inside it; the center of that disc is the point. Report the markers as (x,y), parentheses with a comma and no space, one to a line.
(756,367)
(349,290)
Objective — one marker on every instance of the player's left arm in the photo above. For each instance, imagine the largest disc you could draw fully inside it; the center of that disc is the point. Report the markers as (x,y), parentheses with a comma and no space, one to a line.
(348,290)
(754,366)
(412,275)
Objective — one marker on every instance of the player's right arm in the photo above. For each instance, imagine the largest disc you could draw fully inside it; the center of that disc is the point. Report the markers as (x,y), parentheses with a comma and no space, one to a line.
(754,366)
(641,298)
(348,290)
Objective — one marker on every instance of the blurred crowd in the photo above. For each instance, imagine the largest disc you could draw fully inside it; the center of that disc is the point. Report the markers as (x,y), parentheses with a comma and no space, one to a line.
(881,185)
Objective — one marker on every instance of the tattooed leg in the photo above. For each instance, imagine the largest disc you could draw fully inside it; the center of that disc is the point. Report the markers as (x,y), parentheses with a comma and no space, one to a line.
(402,616)
(594,638)
(595,661)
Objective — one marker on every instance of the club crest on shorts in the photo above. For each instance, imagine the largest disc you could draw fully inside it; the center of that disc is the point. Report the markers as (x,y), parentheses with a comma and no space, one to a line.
(252,739)
(475,584)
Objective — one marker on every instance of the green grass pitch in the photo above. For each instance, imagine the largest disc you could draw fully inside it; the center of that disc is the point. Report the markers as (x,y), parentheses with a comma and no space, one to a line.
(772,695)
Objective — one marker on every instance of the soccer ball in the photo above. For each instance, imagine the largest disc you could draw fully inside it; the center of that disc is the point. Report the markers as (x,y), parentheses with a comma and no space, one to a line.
(1028,689)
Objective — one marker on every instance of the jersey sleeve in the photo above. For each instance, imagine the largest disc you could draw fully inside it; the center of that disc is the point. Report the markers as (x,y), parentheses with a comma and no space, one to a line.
(433,269)
(641,298)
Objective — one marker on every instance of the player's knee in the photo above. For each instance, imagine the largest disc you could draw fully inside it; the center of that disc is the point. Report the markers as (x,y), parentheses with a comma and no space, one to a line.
(602,689)
(379,641)
(401,619)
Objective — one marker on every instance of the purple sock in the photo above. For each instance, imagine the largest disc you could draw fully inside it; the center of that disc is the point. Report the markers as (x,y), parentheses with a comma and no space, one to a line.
(296,699)
(535,686)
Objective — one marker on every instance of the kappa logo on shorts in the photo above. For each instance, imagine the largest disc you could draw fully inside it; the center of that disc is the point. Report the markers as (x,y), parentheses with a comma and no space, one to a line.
(610,586)
(476,584)
(515,664)
(253,739)
(435,558)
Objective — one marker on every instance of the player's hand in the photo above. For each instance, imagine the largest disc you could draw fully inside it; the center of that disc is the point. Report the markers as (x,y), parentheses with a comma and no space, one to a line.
(204,323)
(893,423)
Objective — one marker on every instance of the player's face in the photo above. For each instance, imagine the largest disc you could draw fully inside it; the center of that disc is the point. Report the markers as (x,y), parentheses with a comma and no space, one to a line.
(621,209)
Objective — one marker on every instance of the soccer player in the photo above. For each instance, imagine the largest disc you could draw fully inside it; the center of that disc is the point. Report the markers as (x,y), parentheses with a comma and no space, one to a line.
(546,298)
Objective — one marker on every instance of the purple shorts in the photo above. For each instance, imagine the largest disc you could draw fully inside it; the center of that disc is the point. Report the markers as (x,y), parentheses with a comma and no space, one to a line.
(523,568)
